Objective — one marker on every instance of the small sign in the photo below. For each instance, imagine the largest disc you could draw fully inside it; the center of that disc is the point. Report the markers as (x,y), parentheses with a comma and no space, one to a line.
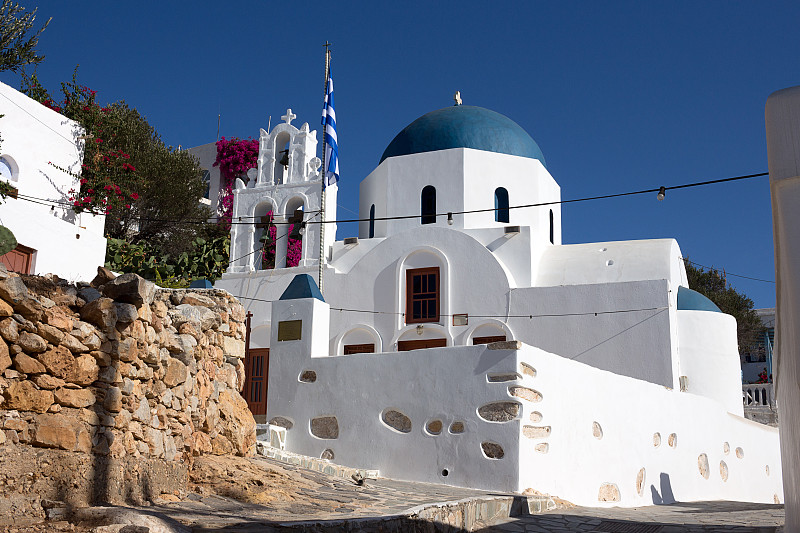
(290,330)
(461,319)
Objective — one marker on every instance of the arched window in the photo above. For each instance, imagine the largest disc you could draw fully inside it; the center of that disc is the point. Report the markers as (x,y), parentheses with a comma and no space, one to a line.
(428,209)
(551,227)
(500,205)
(372,221)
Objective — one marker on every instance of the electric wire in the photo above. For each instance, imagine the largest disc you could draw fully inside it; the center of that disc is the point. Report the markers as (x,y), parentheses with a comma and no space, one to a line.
(728,273)
(239,220)
(528,316)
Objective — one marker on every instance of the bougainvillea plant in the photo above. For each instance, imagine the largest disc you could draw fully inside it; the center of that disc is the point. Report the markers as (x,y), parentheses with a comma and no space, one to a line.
(234,158)
(107,179)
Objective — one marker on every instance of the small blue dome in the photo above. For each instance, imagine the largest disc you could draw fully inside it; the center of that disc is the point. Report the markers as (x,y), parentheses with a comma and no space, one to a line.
(690,300)
(464,126)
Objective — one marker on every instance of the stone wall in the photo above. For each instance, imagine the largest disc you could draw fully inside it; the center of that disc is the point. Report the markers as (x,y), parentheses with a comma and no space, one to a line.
(121,369)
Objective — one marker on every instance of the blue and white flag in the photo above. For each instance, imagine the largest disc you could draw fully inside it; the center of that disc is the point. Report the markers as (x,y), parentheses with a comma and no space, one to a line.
(331,146)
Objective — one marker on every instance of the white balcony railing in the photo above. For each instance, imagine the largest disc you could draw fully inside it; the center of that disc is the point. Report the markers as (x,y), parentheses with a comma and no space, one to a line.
(758,394)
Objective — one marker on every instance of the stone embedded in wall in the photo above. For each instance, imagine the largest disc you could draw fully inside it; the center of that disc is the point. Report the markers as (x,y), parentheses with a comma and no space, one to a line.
(325,427)
(739,453)
(457,427)
(281,422)
(672,440)
(525,393)
(308,376)
(641,477)
(597,431)
(24,396)
(656,439)
(702,465)
(130,288)
(536,416)
(434,427)
(327,454)
(527,369)
(536,432)
(609,492)
(726,448)
(767,470)
(723,470)
(492,450)
(396,420)
(499,411)
(542,447)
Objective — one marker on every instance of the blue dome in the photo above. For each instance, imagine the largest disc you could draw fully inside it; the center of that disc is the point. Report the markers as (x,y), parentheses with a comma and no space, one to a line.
(464,126)
(694,301)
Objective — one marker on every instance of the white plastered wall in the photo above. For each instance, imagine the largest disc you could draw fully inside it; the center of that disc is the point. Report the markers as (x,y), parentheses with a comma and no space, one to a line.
(558,402)
(783,150)
(67,244)
(709,357)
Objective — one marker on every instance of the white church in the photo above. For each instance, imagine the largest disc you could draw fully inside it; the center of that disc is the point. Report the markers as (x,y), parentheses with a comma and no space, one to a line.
(465,345)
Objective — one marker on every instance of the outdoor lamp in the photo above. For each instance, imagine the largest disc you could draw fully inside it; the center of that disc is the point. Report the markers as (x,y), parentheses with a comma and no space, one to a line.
(661,193)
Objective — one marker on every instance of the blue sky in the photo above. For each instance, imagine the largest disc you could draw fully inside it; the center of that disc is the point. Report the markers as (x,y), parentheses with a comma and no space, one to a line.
(619,96)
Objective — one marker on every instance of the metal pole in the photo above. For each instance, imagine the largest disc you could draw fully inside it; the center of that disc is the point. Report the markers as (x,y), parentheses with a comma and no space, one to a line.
(324,170)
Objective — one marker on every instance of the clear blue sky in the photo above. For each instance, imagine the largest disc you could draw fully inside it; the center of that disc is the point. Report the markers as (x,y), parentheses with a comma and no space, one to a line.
(619,96)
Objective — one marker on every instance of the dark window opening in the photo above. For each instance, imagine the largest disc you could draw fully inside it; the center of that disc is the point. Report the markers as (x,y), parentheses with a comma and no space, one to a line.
(488,339)
(372,221)
(551,227)
(422,295)
(350,349)
(428,208)
(501,205)
(421,344)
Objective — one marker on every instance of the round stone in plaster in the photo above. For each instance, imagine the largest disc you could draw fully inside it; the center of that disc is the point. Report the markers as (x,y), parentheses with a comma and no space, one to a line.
(457,427)
(702,465)
(740,453)
(726,448)
(492,450)
(641,477)
(723,470)
(536,416)
(327,454)
(767,470)
(656,439)
(396,420)
(500,411)
(609,262)
(434,427)
(308,376)
(673,440)
(597,431)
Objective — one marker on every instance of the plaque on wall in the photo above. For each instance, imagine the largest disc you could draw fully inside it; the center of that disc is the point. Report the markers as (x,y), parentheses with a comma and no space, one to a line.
(290,330)
(461,319)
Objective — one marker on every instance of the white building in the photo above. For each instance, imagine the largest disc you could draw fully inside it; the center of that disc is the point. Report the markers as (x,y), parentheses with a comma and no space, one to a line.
(52,237)
(622,385)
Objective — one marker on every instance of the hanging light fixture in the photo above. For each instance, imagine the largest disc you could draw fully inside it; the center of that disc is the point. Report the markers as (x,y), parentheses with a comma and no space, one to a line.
(661,193)
(450,218)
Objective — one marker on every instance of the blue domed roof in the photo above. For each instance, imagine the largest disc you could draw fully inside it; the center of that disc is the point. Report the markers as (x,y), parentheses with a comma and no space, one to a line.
(464,126)
(694,301)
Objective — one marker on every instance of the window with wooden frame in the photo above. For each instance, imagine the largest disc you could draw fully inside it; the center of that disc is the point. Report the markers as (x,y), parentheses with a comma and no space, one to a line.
(350,349)
(488,339)
(422,295)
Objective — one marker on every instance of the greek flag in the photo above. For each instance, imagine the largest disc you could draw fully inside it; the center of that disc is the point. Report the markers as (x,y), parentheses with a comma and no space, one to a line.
(331,146)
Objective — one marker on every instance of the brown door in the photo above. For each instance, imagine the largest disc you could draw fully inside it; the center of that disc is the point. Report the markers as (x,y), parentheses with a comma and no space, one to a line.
(256,366)
(19,259)
(404,346)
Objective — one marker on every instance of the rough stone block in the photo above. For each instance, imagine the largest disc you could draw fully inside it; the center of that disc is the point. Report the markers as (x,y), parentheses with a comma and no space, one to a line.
(13,290)
(24,396)
(31,342)
(130,288)
(101,312)
(75,397)
(28,365)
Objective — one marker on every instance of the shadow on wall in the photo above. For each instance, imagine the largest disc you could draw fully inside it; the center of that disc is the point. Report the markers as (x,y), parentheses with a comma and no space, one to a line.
(666,496)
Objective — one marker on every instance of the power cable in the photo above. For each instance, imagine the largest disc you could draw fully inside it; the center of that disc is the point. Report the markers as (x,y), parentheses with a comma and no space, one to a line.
(728,273)
(485,210)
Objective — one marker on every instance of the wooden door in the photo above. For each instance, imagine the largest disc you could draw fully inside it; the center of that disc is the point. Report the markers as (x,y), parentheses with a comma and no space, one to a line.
(19,259)
(256,366)
(404,346)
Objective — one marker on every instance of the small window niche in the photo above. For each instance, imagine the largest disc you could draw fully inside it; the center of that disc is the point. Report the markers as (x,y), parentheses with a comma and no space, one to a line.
(501,211)
(428,205)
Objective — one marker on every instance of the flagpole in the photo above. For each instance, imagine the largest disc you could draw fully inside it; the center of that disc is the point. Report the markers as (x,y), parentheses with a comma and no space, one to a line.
(327,47)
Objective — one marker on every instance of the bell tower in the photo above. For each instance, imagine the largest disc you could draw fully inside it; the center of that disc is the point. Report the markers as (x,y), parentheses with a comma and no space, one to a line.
(285,187)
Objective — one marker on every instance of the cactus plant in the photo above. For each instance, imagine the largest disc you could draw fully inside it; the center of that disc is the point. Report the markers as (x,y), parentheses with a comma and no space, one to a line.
(7,240)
